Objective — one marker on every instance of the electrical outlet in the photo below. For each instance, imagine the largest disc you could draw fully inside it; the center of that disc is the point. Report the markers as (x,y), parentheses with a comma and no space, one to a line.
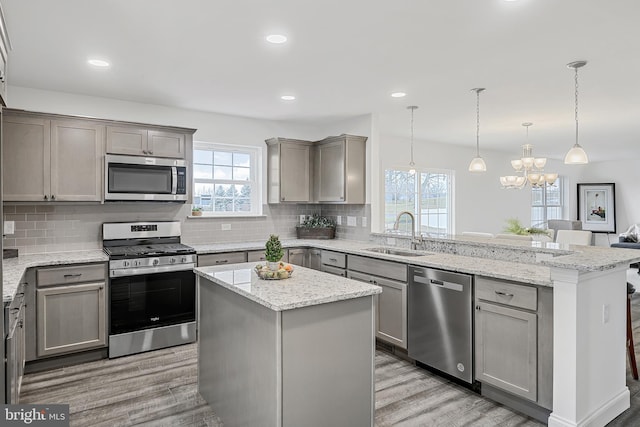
(225,227)
(9,227)
(302,218)
(351,221)
(364,221)
(339,220)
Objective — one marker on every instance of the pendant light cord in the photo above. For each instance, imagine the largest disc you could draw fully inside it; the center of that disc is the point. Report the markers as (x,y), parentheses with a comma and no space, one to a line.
(477,123)
(412,109)
(576,79)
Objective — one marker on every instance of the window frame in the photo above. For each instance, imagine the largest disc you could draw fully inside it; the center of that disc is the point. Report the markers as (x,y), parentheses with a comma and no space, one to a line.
(255,178)
(545,205)
(418,200)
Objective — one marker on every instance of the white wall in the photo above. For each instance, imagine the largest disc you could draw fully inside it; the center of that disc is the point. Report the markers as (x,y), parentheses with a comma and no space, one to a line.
(480,202)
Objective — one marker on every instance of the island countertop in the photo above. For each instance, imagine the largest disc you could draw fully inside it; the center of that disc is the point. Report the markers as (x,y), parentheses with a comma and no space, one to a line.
(304,288)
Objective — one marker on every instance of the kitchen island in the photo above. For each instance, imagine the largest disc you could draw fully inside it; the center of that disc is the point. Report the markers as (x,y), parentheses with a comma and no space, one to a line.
(298,351)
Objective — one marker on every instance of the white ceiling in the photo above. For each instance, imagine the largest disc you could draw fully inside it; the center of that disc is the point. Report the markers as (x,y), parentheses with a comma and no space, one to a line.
(345,57)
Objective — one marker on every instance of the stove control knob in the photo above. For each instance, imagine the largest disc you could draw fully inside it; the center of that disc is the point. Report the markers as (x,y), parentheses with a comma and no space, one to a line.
(172,261)
(183,259)
(156,261)
(136,263)
(125,263)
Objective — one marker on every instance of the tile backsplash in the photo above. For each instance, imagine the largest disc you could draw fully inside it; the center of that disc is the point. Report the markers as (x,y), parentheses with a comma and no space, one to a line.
(57,228)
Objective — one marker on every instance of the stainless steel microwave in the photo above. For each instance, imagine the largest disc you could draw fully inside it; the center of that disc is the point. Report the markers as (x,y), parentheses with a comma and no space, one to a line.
(129,178)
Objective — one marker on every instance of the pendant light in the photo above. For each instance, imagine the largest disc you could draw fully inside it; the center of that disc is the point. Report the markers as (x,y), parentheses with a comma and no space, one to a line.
(477,164)
(576,155)
(412,166)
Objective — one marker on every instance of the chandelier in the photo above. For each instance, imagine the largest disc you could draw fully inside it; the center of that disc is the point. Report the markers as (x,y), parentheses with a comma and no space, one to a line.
(529,169)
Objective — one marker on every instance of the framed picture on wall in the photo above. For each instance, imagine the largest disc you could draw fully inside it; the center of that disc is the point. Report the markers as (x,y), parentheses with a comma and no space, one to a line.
(597,207)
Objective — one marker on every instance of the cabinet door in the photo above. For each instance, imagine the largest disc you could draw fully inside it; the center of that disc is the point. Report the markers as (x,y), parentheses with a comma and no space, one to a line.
(26,161)
(166,144)
(298,257)
(76,161)
(71,318)
(315,259)
(127,140)
(506,349)
(294,173)
(330,160)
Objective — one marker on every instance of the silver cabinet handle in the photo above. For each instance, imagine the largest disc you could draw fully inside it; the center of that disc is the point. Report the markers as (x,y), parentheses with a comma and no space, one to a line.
(504,294)
(222,261)
(73,275)
(150,152)
(333,259)
(46,197)
(478,307)
(53,197)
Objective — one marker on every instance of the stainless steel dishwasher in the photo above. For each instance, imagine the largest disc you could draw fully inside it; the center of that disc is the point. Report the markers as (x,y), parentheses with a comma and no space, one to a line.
(440,321)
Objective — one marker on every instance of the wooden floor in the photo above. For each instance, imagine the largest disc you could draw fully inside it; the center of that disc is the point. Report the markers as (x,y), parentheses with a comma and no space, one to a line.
(159,389)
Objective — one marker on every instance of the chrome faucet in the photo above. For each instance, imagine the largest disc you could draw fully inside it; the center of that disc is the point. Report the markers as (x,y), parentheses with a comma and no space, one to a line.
(414,241)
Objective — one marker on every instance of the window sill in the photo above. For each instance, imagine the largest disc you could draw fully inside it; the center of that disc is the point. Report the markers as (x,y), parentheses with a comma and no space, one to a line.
(225,216)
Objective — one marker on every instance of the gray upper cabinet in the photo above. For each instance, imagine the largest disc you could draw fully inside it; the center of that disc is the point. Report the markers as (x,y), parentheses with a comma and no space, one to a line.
(138,141)
(43,159)
(339,169)
(288,170)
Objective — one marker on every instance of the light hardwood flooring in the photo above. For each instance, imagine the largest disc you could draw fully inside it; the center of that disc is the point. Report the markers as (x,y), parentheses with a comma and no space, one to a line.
(159,389)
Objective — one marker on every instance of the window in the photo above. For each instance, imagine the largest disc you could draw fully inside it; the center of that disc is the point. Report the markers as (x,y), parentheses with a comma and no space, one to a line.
(546,204)
(426,194)
(225,179)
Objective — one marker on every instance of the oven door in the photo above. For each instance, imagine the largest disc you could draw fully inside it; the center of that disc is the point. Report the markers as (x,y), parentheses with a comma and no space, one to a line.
(144,178)
(151,300)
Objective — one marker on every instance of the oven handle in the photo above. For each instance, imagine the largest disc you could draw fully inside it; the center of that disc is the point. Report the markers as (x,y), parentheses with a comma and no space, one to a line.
(122,272)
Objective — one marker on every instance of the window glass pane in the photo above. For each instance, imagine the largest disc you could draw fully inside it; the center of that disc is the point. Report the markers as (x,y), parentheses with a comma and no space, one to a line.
(241,159)
(202,156)
(241,174)
(202,172)
(223,158)
(537,196)
(222,172)
(553,196)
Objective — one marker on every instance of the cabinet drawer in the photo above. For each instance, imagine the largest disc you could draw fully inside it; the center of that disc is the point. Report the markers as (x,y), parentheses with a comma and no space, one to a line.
(334,270)
(221,259)
(507,293)
(335,259)
(388,269)
(71,274)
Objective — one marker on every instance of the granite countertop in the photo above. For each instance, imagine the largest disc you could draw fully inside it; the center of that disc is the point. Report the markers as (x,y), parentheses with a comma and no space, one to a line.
(304,288)
(525,273)
(13,268)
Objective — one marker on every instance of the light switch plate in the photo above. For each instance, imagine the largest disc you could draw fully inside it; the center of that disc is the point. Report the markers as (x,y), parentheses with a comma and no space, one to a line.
(351,221)
(339,220)
(9,227)
(225,227)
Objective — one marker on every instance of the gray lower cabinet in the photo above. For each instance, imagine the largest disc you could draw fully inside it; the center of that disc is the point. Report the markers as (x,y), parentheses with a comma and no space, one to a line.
(15,347)
(333,263)
(513,340)
(315,259)
(391,304)
(299,256)
(71,309)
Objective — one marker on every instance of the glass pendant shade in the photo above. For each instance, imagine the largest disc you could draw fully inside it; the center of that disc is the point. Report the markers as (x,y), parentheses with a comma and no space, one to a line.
(477,165)
(576,156)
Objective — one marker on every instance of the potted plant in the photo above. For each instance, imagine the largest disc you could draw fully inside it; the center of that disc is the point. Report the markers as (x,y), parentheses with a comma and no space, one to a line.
(273,252)
(196,211)
(316,227)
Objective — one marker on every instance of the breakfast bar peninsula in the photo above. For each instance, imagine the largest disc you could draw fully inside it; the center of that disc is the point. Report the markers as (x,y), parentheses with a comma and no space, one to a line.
(267,348)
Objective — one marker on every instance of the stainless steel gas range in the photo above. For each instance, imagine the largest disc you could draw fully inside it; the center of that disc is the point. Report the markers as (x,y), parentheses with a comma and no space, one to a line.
(152,293)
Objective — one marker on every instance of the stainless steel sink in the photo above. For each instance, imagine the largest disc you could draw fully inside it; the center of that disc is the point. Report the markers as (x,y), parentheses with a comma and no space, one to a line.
(393,251)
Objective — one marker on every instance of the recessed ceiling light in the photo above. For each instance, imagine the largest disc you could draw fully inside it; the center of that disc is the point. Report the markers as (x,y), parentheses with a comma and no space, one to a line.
(287,97)
(276,38)
(98,63)
(398,94)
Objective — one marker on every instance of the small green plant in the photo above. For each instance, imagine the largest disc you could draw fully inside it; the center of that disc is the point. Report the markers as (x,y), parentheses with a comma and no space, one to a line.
(514,227)
(317,221)
(196,209)
(273,249)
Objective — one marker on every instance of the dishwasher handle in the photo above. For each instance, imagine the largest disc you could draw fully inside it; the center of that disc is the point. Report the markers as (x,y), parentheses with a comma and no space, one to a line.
(440,283)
